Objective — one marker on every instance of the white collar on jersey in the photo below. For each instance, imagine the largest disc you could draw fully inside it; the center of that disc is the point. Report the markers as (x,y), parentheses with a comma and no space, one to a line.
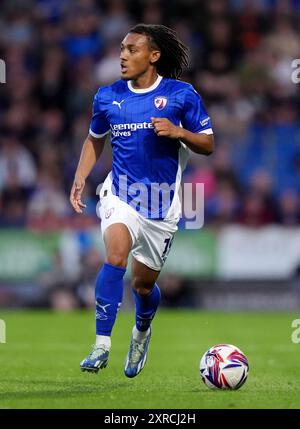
(144,90)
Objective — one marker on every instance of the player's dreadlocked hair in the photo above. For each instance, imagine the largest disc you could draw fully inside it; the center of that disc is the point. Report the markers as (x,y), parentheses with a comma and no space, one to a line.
(174,54)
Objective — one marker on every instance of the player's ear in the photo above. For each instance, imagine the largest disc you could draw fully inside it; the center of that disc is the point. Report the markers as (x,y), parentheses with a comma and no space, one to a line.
(155,56)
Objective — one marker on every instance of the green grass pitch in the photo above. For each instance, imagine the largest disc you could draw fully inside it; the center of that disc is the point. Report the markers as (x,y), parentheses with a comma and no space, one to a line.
(39,364)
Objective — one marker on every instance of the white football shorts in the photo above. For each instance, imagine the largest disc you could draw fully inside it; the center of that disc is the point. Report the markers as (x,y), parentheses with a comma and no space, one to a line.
(152,239)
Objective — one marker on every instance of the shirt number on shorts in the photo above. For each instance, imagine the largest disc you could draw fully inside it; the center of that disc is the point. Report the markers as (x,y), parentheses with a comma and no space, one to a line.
(168,243)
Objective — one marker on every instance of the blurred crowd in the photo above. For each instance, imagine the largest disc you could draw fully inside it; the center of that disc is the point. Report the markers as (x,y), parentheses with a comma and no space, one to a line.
(58,53)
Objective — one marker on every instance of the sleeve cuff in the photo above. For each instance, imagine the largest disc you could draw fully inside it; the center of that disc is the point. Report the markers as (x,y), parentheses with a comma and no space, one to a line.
(97,136)
(208,131)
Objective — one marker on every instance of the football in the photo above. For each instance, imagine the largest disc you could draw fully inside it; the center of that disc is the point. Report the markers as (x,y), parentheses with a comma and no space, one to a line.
(224,366)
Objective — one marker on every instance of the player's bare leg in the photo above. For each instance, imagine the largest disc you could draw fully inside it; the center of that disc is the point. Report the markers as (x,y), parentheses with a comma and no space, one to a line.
(118,243)
(147,297)
(109,291)
(143,277)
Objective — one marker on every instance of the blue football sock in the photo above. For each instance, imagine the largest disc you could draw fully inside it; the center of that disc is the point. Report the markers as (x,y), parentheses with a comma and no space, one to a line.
(145,308)
(109,292)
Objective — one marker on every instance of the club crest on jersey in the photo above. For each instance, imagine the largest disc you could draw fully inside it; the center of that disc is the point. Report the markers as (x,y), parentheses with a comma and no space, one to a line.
(160,102)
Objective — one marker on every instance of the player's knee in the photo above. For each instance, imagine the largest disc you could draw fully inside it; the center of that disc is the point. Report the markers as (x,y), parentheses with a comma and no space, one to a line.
(141,287)
(117,260)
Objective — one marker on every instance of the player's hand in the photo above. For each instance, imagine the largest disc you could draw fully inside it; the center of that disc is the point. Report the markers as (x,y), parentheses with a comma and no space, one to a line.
(75,194)
(164,128)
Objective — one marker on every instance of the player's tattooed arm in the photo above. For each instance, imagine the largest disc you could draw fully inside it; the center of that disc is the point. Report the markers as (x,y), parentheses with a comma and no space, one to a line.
(91,151)
(198,142)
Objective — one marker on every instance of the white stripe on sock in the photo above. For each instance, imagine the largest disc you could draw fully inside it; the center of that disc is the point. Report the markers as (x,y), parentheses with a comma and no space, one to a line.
(140,335)
(104,341)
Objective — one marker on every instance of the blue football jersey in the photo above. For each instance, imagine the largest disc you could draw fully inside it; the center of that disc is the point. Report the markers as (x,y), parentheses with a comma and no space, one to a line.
(147,169)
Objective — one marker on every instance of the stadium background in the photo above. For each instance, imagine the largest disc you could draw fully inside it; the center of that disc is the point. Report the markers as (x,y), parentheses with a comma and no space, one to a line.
(57,54)
(247,256)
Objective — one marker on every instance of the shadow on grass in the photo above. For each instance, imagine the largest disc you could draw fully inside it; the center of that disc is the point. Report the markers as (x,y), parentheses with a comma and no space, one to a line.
(14,389)
(57,389)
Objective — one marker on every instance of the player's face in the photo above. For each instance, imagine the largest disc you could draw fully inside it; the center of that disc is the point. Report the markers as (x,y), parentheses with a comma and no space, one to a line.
(136,56)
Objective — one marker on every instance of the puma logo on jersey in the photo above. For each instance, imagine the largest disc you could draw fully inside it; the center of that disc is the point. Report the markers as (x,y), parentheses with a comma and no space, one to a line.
(117,103)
